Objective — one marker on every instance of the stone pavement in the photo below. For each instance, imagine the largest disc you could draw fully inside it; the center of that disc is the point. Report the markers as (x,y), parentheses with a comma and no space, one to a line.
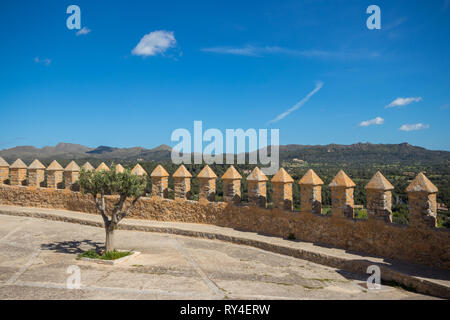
(35,255)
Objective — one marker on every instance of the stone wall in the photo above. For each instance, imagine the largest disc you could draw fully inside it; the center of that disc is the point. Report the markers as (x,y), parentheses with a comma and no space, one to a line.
(417,244)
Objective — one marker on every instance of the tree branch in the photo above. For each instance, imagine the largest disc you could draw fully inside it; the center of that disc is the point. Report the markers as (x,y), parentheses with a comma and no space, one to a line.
(118,208)
(124,214)
(101,208)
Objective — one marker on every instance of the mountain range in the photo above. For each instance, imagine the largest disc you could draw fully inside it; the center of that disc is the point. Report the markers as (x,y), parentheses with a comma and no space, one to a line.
(332,153)
(70,151)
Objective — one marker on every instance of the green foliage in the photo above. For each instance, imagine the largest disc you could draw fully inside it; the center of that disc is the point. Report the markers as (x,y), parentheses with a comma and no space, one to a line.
(326,211)
(110,255)
(91,254)
(360,213)
(400,214)
(113,255)
(443,219)
(363,154)
(110,182)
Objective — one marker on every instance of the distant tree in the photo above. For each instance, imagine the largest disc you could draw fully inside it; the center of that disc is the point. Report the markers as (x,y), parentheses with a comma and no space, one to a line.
(102,183)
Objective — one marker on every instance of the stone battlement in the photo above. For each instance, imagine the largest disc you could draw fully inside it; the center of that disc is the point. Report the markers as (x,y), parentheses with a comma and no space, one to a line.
(419,242)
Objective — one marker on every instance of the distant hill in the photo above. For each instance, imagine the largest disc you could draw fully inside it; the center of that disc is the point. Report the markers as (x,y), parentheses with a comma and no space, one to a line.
(68,151)
(333,153)
(61,150)
(364,153)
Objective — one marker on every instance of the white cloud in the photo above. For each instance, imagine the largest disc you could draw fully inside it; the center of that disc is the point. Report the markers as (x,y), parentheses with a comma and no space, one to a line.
(413,127)
(45,62)
(156,42)
(319,85)
(400,102)
(377,120)
(83,31)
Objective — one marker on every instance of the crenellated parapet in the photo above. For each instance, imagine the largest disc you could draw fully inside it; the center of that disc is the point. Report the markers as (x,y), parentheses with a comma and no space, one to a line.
(36,174)
(419,242)
(18,173)
(87,167)
(342,201)
(160,182)
(119,168)
(71,175)
(182,183)
(379,198)
(257,190)
(311,193)
(421,191)
(138,170)
(422,202)
(54,175)
(207,184)
(102,167)
(282,190)
(232,185)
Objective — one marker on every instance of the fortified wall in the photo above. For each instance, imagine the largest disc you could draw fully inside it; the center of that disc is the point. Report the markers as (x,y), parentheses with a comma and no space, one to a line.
(418,242)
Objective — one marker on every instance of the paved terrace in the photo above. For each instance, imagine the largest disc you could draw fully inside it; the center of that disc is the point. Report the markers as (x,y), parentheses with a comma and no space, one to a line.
(187,261)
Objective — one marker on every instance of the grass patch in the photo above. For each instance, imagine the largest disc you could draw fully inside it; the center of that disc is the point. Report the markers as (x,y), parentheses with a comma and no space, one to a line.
(110,255)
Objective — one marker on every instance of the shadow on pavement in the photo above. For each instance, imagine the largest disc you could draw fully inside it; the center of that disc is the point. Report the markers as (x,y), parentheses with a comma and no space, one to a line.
(73,247)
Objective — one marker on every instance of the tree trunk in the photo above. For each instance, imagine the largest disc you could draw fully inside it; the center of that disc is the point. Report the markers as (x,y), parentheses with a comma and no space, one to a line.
(109,239)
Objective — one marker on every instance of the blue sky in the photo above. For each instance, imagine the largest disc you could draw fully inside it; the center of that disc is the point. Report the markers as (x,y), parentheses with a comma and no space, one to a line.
(231,64)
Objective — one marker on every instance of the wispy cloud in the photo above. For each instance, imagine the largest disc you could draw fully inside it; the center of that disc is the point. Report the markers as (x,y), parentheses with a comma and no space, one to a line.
(83,31)
(394,24)
(400,102)
(45,62)
(413,127)
(255,51)
(446,5)
(154,43)
(445,106)
(319,85)
(377,120)
(393,32)
(243,51)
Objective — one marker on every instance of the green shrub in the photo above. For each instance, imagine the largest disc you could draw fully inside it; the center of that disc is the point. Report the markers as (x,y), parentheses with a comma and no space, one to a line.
(360,213)
(110,255)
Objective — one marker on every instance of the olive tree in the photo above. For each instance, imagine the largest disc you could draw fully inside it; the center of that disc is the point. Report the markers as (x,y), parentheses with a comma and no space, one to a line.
(102,183)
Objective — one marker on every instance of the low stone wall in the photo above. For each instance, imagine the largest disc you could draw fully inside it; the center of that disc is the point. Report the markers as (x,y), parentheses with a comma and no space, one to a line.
(428,246)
